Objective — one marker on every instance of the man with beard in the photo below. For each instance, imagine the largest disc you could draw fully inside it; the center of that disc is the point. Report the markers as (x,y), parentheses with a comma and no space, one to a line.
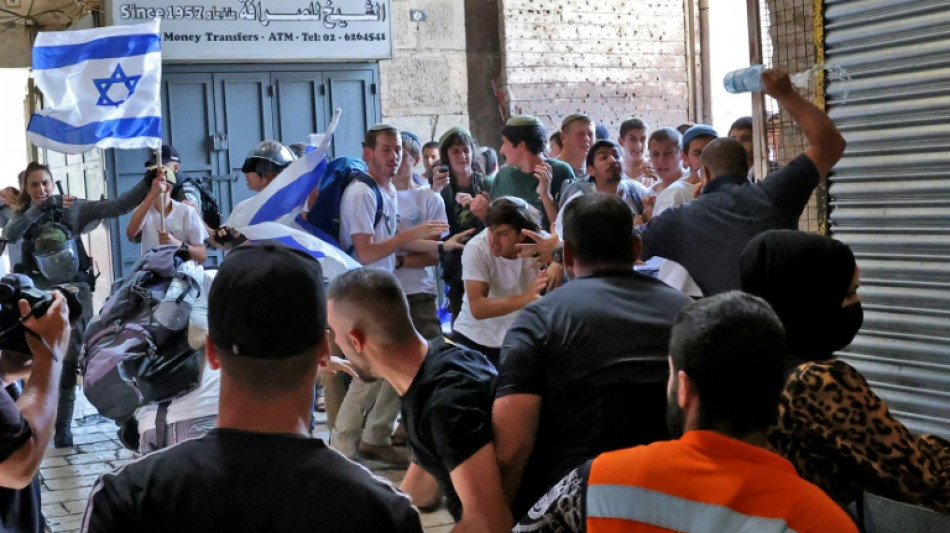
(364,424)
(726,375)
(605,164)
(584,369)
(446,393)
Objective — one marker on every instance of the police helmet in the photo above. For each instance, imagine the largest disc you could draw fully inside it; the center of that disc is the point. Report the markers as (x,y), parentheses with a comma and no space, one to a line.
(267,156)
(56,254)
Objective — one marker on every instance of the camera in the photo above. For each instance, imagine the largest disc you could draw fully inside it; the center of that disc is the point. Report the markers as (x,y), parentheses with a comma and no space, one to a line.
(16,287)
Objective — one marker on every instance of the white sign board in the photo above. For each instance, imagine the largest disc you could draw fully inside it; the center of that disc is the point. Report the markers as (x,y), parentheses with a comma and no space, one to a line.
(271,30)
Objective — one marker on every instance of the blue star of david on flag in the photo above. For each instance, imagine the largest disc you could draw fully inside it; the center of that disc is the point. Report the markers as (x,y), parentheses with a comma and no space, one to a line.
(101,87)
(118,77)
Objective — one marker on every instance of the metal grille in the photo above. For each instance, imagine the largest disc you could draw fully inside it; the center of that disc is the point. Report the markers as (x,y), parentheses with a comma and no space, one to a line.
(788,41)
(890,195)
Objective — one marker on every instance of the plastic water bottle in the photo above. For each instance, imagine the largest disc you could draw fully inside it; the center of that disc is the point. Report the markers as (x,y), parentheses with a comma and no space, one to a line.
(744,80)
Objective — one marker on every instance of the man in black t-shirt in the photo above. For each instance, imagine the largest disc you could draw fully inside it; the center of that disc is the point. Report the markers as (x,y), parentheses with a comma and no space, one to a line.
(26,424)
(446,393)
(583,370)
(259,470)
(707,235)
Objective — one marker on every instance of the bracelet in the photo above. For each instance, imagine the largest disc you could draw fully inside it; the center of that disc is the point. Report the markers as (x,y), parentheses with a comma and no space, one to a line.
(400,260)
(441,247)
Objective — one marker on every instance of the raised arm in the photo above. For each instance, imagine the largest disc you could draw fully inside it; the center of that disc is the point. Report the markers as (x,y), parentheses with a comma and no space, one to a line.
(87,212)
(825,143)
(134,229)
(38,402)
(17,226)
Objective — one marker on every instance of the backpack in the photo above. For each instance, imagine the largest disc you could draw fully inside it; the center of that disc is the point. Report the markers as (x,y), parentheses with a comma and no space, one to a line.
(191,189)
(136,351)
(53,221)
(323,219)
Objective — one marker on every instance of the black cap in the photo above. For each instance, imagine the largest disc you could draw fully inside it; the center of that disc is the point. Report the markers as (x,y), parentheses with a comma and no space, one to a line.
(267,302)
(169,154)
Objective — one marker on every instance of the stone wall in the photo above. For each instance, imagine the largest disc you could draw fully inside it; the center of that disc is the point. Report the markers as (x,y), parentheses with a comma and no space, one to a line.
(20,21)
(612,59)
(424,88)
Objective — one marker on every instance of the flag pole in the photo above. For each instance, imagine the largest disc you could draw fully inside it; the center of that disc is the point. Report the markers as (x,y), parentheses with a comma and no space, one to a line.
(161,174)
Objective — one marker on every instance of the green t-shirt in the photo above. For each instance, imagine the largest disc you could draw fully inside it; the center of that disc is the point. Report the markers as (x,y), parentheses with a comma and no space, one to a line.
(510,181)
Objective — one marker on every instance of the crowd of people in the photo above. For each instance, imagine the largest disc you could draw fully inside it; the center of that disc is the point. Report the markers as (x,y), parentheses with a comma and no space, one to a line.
(638,342)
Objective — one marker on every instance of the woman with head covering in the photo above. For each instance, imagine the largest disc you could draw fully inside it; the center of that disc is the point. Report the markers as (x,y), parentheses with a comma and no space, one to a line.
(831,425)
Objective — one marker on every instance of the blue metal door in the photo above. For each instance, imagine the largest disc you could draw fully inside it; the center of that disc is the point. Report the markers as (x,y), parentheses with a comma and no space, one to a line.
(215,114)
(352,91)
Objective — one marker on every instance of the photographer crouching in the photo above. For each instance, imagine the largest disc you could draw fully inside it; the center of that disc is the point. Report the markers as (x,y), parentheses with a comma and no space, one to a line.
(26,422)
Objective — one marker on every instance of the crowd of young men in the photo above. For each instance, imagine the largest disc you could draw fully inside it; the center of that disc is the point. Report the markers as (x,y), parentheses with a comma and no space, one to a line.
(545,408)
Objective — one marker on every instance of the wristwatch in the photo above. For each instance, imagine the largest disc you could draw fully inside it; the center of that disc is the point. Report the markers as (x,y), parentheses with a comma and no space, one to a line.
(400,260)
(558,255)
(441,247)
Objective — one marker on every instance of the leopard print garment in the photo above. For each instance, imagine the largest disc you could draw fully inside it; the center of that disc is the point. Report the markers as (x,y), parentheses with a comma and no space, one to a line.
(841,437)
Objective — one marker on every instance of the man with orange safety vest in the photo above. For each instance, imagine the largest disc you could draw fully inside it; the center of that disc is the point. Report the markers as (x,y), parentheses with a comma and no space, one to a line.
(726,374)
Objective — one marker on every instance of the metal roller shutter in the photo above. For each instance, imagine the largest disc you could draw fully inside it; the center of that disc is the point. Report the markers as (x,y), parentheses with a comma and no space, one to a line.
(890,195)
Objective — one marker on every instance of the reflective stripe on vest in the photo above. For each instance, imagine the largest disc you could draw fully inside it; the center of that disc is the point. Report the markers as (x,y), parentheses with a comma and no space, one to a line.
(646,506)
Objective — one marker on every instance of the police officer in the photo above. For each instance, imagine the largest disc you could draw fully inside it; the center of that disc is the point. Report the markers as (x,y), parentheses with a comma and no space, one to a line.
(261,166)
(49,226)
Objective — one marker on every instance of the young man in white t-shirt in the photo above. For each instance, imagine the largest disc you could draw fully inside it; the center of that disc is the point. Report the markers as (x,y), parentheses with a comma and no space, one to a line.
(376,245)
(182,227)
(498,283)
(415,205)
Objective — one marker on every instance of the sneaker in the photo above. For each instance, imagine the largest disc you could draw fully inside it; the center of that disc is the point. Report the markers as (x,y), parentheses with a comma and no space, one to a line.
(384,454)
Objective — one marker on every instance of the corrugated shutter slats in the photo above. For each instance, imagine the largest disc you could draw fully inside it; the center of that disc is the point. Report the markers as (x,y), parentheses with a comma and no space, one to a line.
(890,195)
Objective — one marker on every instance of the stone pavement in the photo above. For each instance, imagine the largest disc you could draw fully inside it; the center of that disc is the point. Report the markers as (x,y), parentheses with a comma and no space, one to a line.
(68,474)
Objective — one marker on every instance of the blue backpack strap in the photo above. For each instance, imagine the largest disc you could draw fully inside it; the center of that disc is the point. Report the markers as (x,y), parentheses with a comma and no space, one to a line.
(373,186)
(316,232)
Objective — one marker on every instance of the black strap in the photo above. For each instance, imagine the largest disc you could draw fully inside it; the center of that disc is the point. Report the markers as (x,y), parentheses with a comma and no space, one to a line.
(860,508)
(161,426)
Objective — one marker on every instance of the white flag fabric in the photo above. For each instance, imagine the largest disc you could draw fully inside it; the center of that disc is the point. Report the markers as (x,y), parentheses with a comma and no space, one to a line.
(285,198)
(332,259)
(102,87)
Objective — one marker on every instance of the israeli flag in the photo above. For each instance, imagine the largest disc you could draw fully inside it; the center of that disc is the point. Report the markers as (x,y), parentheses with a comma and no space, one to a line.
(286,197)
(332,259)
(102,87)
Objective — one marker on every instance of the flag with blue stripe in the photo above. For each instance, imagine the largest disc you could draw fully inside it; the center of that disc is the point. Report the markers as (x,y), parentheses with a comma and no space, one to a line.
(285,198)
(101,88)
(332,259)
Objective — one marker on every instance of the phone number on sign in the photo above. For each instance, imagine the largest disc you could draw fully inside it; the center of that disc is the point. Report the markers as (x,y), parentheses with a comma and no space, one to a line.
(364,37)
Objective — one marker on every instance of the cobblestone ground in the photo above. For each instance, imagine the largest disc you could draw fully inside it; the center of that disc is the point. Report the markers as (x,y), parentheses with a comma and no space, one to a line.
(68,473)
